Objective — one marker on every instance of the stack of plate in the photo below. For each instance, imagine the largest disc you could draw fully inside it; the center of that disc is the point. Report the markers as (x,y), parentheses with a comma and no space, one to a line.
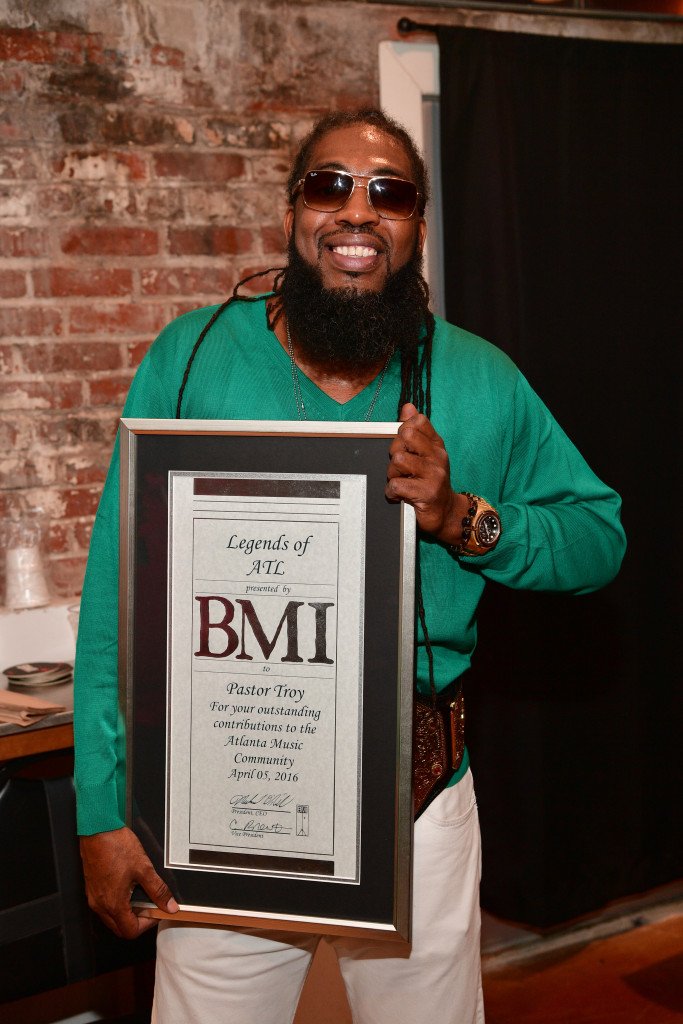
(39,673)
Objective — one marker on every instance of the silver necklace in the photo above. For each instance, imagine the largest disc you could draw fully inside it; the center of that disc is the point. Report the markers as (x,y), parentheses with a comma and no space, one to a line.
(298,396)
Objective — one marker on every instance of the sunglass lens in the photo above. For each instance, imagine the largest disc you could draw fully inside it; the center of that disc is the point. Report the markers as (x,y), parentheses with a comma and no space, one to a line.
(327,191)
(393,198)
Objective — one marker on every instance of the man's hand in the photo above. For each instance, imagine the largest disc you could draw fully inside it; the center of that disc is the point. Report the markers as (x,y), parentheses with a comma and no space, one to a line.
(419,473)
(113,863)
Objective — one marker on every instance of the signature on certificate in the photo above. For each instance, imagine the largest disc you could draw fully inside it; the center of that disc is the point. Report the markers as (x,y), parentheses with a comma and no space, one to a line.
(274,800)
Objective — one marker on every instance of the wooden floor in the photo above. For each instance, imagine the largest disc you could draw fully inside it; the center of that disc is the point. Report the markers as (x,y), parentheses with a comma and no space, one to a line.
(632,978)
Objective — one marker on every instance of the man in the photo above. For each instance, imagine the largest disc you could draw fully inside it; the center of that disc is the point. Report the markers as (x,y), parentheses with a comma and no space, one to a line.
(499,493)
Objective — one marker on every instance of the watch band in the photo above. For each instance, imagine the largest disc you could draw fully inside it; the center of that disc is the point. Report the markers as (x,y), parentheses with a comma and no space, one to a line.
(481,528)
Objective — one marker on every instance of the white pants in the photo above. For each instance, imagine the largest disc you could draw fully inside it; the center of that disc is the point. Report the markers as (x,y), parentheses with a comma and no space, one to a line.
(208,975)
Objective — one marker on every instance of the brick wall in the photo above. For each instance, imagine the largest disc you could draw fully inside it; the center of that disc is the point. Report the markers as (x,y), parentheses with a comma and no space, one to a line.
(143,149)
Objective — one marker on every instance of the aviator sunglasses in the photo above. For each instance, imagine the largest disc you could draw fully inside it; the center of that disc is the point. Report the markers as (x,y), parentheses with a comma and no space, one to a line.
(330,191)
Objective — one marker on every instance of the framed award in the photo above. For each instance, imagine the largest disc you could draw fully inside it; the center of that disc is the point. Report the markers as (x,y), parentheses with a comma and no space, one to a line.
(266,655)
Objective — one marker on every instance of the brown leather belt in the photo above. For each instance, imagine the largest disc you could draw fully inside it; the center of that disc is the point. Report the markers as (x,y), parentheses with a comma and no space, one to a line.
(438,742)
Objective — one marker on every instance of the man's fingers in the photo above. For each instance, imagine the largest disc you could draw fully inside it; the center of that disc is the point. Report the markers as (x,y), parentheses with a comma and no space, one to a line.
(412,420)
(407,411)
(418,471)
(129,925)
(408,464)
(145,923)
(157,890)
(402,464)
(138,925)
(418,443)
(395,491)
(406,460)
(418,435)
(410,489)
(120,919)
(126,924)
(113,863)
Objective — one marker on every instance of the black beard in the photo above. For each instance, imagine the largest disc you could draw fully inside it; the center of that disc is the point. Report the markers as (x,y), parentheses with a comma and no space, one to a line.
(344,328)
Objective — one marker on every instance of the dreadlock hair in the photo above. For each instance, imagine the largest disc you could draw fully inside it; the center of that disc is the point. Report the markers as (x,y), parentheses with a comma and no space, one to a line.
(215,315)
(416,366)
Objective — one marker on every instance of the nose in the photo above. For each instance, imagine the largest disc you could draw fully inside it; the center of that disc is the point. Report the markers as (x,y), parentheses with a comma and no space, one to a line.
(358,209)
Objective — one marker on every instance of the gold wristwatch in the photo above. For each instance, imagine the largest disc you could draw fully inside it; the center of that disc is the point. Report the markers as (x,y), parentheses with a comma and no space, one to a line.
(481,528)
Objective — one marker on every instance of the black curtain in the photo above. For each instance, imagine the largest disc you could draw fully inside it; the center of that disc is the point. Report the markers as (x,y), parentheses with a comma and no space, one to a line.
(562,178)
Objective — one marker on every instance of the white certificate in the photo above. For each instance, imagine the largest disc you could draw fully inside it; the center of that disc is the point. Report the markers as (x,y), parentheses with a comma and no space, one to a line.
(266,585)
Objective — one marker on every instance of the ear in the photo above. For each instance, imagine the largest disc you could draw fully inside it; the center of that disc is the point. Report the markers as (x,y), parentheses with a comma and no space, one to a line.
(421,234)
(288,222)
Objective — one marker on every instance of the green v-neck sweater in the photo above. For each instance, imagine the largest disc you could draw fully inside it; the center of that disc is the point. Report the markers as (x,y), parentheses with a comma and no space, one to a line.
(561,528)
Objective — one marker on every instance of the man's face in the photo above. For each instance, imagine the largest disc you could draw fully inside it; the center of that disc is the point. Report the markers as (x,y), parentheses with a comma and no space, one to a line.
(323,239)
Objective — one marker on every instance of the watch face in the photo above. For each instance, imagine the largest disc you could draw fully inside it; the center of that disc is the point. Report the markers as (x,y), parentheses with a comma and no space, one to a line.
(488,530)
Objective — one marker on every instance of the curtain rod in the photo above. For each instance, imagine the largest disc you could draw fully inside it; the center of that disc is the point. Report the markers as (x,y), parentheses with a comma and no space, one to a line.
(406,25)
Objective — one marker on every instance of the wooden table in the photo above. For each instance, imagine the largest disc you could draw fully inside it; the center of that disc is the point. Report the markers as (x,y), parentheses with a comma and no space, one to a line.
(56,732)
(36,741)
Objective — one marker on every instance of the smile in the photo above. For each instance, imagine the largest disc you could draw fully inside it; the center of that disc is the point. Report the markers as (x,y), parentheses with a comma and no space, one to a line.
(354,250)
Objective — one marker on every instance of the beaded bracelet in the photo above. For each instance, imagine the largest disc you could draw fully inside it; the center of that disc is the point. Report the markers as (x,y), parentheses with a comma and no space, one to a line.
(467,521)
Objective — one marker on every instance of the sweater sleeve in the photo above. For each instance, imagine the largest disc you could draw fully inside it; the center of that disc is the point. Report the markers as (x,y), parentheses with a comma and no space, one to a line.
(98,724)
(561,524)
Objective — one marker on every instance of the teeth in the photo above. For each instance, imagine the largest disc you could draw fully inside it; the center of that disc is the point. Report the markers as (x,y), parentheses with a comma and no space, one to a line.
(354,250)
